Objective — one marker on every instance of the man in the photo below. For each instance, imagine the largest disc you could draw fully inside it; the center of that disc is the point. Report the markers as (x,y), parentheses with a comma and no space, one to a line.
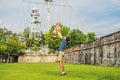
(62,46)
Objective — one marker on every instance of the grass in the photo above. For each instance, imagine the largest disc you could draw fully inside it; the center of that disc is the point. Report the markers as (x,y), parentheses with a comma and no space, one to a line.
(51,71)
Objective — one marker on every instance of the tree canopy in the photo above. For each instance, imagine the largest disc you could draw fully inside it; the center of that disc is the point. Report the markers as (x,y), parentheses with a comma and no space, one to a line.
(9,45)
(13,44)
(76,37)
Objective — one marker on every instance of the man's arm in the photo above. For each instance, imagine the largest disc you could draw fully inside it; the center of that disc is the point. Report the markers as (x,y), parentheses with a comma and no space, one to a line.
(59,33)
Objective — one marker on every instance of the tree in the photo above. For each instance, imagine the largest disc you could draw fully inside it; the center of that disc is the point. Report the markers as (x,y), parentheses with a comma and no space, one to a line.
(26,33)
(13,48)
(77,37)
(2,50)
(54,43)
(5,34)
(9,44)
(91,36)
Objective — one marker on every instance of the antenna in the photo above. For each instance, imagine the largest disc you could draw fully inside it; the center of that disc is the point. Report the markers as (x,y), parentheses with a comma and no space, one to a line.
(48,3)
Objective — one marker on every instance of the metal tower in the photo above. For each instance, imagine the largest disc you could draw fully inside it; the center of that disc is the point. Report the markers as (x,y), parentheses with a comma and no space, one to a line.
(48,3)
(35,30)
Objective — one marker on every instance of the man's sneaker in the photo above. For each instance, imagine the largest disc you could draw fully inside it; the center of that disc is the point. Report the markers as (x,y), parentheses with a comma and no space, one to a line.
(63,74)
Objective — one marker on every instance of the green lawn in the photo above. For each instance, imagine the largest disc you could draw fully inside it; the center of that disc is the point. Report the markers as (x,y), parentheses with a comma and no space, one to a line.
(50,71)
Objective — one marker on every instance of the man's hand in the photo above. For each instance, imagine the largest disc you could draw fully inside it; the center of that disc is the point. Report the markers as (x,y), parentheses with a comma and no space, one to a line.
(54,35)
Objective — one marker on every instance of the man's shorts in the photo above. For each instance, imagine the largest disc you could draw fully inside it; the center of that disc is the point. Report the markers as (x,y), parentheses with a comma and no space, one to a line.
(60,56)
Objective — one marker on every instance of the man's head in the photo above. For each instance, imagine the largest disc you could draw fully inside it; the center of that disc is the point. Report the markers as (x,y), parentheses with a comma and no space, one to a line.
(67,38)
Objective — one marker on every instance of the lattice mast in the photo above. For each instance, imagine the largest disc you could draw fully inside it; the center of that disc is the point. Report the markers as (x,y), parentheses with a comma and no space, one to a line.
(48,3)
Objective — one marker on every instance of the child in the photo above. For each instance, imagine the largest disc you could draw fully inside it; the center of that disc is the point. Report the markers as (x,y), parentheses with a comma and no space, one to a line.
(57,27)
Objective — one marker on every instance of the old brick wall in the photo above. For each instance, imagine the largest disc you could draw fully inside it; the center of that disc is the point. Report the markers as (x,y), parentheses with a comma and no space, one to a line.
(36,57)
(103,51)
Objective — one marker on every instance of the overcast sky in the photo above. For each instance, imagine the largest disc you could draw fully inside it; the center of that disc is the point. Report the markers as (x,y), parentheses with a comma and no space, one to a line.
(99,16)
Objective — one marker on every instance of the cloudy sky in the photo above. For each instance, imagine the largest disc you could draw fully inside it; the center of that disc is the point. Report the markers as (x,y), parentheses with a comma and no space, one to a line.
(99,16)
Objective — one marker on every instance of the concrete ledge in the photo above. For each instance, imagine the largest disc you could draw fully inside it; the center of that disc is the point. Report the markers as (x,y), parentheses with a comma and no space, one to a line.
(35,57)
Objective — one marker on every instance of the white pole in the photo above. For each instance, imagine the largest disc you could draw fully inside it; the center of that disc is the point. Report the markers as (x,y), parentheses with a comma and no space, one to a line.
(48,16)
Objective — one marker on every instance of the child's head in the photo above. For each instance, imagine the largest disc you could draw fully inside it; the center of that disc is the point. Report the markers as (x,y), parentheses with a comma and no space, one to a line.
(58,23)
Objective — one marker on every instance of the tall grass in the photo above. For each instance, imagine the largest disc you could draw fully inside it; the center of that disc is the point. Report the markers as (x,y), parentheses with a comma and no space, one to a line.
(51,71)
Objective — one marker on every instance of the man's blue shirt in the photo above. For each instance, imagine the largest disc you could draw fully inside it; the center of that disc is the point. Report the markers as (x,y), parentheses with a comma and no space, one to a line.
(62,44)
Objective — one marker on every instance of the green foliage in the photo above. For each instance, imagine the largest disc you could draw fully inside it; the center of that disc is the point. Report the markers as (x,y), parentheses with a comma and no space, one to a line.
(4,35)
(13,46)
(48,0)
(77,37)
(11,40)
(91,36)
(32,42)
(51,71)
(54,43)
(9,44)
(65,31)
(3,48)
(26,33)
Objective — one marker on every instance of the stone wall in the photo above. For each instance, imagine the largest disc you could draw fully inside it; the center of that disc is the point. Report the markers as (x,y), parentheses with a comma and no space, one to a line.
(37,57)
(103,51)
